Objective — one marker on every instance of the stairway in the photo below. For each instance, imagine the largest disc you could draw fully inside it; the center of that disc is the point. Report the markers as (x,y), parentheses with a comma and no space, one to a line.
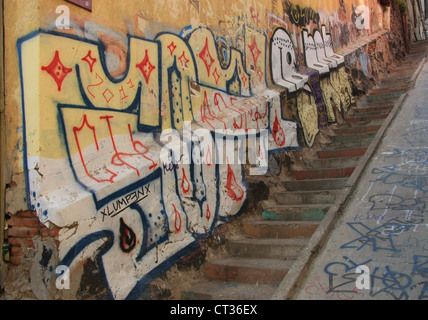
(257,264)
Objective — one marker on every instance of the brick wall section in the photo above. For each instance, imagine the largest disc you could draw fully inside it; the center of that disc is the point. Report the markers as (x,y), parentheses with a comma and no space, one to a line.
(22,227)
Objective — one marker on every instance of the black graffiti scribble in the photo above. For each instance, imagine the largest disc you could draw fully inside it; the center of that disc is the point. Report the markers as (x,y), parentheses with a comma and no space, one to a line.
(417,136)
(420,266)
(383,280)
(380,238)
(300,16)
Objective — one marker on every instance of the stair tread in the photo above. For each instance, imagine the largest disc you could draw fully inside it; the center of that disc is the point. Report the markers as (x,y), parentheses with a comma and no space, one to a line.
(299,208)
(326,172)
(342,149)
(310,191)
(355,158)
(281,223)
(254,263)
(324,169)
(271,204)
(273,241)
(225,290)
(314,180)
(332,163)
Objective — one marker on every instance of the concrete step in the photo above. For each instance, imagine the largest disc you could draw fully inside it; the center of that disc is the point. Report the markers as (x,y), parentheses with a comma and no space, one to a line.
(221,290)
(392,81)
(280,229)
(288,213)
(387,96)
(351,152)
(315,184)
(306,197)
(331,163)
(353,137)
(395,86)
(358,129)
(357,143)
(248,270)
(360,125)
(330,173)
(370,103)
(403,72)
(362,118)
(373,110)
(284,249)
(282,212)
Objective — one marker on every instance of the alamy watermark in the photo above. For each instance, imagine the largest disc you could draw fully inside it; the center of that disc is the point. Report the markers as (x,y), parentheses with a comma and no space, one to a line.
(63,279)
(363,281)
(63,20)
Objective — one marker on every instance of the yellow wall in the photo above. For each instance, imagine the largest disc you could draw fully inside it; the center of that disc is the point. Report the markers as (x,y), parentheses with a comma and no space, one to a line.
(146,18)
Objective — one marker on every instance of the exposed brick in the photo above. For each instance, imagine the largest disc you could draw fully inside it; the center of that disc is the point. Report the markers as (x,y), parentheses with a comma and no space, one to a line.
(15,260)
(280,229)
(24,222)
(324,173)
(261,271)
(21,242)
(26,214)
(16,251)
(22,232)
(45,232)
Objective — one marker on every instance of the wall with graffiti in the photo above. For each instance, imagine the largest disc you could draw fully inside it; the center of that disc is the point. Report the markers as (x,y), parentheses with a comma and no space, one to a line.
(135,140)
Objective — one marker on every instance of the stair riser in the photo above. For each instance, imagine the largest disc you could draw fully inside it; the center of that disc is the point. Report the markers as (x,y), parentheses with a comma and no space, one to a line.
(268,251)
(393,87)
(358,130)
(324,174)
(373,111)
(280,232)
(324,184)
(347,144)
(220,290)
(308,215)
(342,153)
(390,96)
(332,163)
(244,274)
(306,198)
(371,103)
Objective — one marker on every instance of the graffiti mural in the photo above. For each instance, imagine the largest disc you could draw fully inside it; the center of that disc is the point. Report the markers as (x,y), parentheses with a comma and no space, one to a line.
(300,16)
(149,162)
